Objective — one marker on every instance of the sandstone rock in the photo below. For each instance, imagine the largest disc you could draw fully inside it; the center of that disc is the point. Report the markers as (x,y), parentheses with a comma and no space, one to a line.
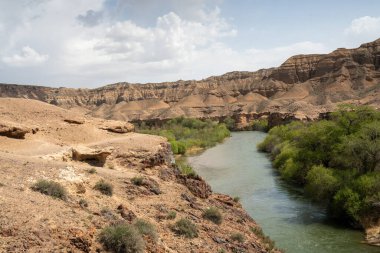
(76,121)
(13,130)
(118,126)
(125,213)
(81,153)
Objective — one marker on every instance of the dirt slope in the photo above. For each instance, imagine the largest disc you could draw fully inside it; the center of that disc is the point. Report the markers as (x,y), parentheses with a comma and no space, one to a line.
(33,222)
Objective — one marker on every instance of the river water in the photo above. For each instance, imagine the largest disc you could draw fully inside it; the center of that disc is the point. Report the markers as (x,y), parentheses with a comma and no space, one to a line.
(293,222)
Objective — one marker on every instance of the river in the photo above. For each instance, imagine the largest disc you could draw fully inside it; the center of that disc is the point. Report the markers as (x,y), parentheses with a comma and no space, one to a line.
(236,168)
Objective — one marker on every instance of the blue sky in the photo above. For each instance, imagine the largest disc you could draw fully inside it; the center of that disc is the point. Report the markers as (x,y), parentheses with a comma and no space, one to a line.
(89,43)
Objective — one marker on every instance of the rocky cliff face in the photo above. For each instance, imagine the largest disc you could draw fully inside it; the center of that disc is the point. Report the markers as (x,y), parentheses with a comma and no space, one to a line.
(304,86)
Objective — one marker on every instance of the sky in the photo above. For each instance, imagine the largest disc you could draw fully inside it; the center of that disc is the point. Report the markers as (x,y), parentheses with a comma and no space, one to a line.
(90,43)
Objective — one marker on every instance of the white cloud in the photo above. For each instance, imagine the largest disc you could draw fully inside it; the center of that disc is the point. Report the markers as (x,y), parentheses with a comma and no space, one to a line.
(27,57)
(86,46)
(365,25)
(172,38)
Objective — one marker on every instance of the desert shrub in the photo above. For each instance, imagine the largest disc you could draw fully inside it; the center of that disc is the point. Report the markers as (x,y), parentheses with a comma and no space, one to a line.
(83,203)
(104,187)
(185,169)
(171,215)
(186,228)
(321,183)
(258,231)
(92,171)
(236,199)
(238,237)
(213,214)
(145,228)
(50,188)
(137,180)
(122,238)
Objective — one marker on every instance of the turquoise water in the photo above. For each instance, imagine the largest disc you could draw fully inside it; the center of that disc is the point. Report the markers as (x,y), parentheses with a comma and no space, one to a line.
(294,223)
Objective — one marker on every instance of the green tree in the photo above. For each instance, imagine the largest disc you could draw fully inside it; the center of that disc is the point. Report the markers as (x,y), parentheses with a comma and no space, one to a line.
(321,183)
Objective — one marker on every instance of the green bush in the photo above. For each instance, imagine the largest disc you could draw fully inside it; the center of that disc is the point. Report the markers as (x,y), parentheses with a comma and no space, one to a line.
(50,188)
(171,215)
(260,125)
(104,187)
(137,180)
(184,134)
(186,228)
(321,183)
(145,228)
(213,214)
(336,160)
(238,237)
(347,204)
(186,169)
(122,238)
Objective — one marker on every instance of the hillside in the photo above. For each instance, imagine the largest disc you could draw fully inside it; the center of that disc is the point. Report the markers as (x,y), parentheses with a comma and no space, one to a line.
(39,141)
(304,86)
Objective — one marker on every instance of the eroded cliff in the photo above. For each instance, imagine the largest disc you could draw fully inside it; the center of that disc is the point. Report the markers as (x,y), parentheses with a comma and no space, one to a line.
(304,86)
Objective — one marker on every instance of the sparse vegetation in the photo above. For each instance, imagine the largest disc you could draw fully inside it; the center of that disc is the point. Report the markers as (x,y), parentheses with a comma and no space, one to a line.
(186,228)
(146,228)
(213,214)
(171,215)
(137,180)
(238,237)
(337,161)
(236,199)
(184,134)
(185,168)
(50,188)
(104,187)
(266,239)
(83,203)
(122,238)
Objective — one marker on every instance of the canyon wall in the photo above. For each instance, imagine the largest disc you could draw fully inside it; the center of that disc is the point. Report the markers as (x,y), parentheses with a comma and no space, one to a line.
(304,86)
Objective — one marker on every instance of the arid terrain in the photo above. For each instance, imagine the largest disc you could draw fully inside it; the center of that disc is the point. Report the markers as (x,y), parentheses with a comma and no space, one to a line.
(303,87)
(42,141)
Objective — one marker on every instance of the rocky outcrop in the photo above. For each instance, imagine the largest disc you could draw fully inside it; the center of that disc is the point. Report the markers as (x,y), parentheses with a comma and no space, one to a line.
(76,121)
(303,85)
(196,185)
(118,126)
(13,130)
(87,154)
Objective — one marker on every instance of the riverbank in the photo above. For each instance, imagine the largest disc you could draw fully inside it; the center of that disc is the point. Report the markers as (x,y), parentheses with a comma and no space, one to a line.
(336,162)
(292,221)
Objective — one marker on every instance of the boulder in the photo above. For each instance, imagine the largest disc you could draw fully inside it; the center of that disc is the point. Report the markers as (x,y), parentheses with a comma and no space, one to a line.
(118,126)
(87,154)
(13,130)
